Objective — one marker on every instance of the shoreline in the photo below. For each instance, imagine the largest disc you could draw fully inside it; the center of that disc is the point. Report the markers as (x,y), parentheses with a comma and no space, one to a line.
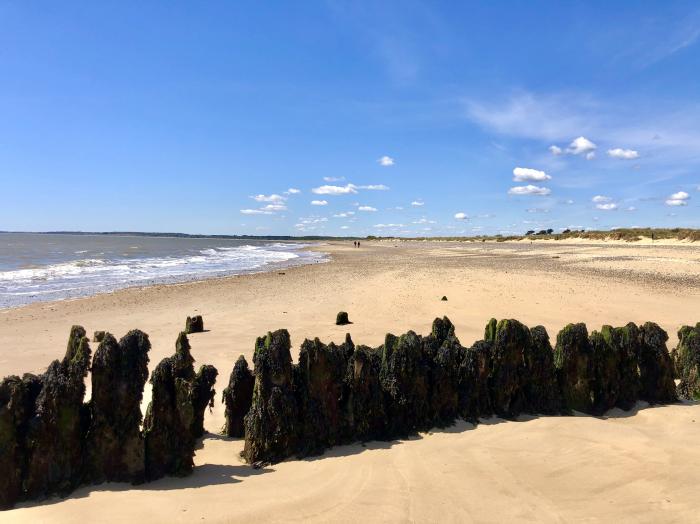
(312,257)
(549,467)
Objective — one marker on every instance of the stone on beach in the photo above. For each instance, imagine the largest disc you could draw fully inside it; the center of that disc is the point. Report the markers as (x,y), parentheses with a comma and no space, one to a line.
(341,319)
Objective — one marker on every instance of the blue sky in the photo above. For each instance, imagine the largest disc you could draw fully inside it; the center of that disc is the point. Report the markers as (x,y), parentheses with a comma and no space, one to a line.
(333,117)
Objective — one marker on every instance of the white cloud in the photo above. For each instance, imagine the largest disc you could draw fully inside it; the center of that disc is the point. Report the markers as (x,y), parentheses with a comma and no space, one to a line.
(631,208)
(417,203)
(344,227)
(610,206)
(600,198)
(529,190)
(255,212)
(319,202)
(555,150)
(525,174)
(274,207)
(345,214)
(678,199)
(384,226)
(385,161)
(335,190)
(581,146)
(269,198)
(590,156)
(424,221)
(461,216)
(293,191)
(367,208)
(333,178)
(543,117)
(623,154)
(569,202)
(375,187)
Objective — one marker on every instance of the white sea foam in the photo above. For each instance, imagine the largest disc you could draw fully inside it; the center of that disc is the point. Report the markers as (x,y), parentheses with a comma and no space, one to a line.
(87,276)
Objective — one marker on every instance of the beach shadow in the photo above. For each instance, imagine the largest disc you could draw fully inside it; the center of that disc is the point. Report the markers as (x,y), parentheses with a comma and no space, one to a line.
(203,475)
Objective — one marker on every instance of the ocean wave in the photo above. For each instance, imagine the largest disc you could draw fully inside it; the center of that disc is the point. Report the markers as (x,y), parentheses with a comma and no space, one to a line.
(86,276)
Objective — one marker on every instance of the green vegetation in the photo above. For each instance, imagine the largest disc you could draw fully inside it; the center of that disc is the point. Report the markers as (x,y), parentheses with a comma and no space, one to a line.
(627,234)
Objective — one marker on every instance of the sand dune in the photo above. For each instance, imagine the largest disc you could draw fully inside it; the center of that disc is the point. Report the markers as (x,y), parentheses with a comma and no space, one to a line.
(637,466)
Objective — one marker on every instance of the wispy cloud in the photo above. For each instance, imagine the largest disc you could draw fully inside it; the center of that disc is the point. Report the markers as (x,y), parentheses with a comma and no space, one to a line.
(375,187)
(255,212)
(529,190)
(525,174)
(623,154)
(269,198)
(367,208)
(335,190)
(319,202)
(386,161)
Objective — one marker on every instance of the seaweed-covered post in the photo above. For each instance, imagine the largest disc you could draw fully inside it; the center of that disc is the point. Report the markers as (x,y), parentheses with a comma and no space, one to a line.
(115,445)
(238,397)
(364,405)
(271,425)
(443,347)
(168,421)
(606,369)
(541,388)
(474,397)
(655,366)
(319,386)
(175,416)
(56,436)
(508,367)
(17,406)
(203,394)
(405,379)
(573,360)
(688,362)
(194,324)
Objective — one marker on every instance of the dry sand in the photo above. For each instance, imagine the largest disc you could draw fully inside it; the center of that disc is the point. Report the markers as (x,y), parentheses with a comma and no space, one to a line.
(637,466)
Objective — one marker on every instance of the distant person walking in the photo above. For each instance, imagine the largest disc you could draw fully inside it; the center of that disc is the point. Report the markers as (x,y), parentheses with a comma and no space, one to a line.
(354,244)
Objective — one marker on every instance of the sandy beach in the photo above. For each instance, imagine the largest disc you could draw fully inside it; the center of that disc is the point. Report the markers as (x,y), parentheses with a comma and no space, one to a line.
(627,466)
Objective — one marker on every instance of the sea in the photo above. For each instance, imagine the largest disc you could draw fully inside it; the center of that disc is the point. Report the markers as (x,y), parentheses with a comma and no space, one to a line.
(36,267)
